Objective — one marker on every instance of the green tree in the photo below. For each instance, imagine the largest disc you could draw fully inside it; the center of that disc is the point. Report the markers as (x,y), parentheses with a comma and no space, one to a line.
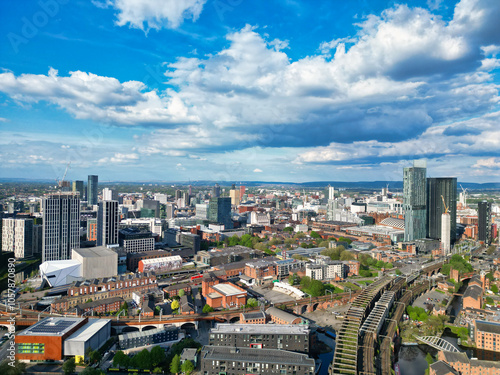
(187,367)
(175,365)
(7,369)
(489,301)
(388,266)
(346,255)
(181,293)
(69,366)
(121,360)
(379,264)
(252,302)
(143,359)
(305,282)
(299,235)
(95,356)
(289,241)
(494,288)
(157,355)
(157,370)
(288,229)
(207,309)
(174,305)
(316,288)
(315,234)
(490,276)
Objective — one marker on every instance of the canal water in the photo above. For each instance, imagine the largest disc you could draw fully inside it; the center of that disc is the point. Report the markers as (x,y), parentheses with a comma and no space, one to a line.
(326,358)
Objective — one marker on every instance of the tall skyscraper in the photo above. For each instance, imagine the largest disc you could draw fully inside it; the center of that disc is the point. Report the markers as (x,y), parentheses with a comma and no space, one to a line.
(216,191)
(107,223)
(219,211)
(331,192)
(235,196)
(17,236)
(242,191)
(445,233)
(109,195)
(414,200)
(447,188)
(484,222)
(92,190)
(61,225)
(78,186)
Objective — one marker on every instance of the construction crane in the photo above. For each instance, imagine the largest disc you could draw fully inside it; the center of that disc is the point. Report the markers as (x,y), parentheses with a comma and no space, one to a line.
(62,183)
(444,204)
(464,192)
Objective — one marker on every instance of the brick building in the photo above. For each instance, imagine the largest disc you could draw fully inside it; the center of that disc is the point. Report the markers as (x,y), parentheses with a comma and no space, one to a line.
(465,366)
(173,290)
(226,296)
(473,297)
(486,335)
(254,317)
(279,316)
(134,258)
(100,307)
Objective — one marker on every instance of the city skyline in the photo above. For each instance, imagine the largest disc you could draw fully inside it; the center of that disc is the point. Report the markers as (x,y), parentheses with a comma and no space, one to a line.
(243,91)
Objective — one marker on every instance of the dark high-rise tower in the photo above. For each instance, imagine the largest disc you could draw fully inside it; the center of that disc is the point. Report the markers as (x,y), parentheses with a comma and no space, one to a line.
(61,226)
(484,222)
(414,200)
(92,190)
(219,211)
(107,223)
(79,187)
(216,191)
(447,188)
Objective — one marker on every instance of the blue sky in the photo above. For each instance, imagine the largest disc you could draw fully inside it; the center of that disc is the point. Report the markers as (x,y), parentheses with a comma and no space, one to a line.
(276,90)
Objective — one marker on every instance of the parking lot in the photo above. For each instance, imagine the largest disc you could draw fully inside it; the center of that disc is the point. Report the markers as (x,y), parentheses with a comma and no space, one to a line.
(435,298)
(272,296)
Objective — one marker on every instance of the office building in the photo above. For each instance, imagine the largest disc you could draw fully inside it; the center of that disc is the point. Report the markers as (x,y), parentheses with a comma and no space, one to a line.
(217,360)
(484,222)
(437,190)
(17,236)
(109,195)
(44,340)
(287,337)
(107,223)
(414,201)
(92,190)
(235,197)
(135,240)
(331,193)
(151,337)
(219,211)
(242,191)
(169,211)
(91,229)
(61,226)
(216,191)
(79,187)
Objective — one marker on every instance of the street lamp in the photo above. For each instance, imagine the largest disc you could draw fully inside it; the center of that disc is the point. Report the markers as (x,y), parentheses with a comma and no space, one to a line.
(348,289)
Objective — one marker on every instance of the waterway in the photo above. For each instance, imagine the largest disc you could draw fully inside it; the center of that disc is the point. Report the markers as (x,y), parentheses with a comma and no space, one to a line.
(326,358)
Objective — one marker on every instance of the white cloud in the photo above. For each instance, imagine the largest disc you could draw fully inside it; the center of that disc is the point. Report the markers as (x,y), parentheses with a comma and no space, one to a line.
(257,170)
(490,163)
(155,14)
(118,158)
(89,96)
(2,119)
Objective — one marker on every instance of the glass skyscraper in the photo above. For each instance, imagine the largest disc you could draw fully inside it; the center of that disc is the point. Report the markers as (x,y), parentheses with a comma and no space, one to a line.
(92,190)
(107,223)
(447,188)
(219,211)
(484,222)
(414,200)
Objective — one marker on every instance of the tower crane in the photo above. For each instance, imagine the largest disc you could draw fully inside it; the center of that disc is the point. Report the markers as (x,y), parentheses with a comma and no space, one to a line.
(444,204)
(61,182)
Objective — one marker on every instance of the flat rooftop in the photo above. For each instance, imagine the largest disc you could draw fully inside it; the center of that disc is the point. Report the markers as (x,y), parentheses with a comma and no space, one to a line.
(261,328)
(490,327)
(88,330)
(52,326)
(375,229)
(94,252)
(228,289)
(274,356)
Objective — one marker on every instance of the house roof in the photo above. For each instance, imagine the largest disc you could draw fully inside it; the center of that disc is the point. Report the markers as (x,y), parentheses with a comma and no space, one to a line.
(474,292)
(442,368)
(283,315)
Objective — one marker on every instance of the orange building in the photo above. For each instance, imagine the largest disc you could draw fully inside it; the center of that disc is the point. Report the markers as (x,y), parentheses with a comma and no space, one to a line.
(473,297)
(465,366)
(226,296)
(92,230)
(254,317)
(279,316)
(44,340)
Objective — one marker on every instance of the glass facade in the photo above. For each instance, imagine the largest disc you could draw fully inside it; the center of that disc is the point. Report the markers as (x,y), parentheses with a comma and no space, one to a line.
(447,188)
(30,348)
(414,202)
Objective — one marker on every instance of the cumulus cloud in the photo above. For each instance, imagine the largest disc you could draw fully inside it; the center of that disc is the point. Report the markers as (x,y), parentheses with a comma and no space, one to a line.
(257,170)
(89,96)
(154,14)
(490,163)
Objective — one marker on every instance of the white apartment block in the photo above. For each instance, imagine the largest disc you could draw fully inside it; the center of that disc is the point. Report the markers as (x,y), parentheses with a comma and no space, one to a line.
(17,236)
